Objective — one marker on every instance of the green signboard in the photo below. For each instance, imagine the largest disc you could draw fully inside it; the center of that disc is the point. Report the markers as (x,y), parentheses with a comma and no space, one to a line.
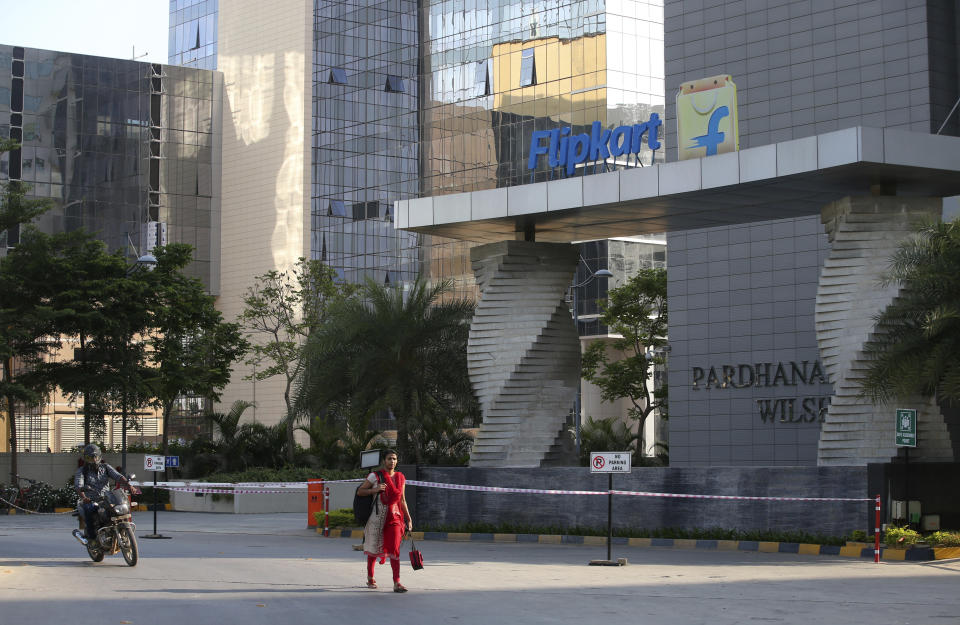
(906,427)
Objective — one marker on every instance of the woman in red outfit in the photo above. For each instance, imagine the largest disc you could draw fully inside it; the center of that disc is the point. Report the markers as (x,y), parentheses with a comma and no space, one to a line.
(388,521)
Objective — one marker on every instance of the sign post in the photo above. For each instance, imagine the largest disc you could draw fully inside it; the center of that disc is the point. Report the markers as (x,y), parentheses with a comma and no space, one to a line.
(610,462)
(906,438)
(155,464)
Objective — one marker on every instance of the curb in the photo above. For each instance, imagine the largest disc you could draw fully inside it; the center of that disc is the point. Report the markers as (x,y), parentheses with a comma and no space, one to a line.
(148,507)
(850,550)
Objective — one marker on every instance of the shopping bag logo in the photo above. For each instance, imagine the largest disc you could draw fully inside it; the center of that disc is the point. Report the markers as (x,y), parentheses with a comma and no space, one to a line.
(707,117)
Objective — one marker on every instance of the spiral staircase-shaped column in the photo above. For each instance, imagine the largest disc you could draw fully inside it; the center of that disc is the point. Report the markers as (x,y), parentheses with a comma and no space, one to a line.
(523,352)
(864,233)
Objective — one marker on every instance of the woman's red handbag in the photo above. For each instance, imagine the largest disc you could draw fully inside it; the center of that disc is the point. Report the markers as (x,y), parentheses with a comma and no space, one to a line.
(416,558)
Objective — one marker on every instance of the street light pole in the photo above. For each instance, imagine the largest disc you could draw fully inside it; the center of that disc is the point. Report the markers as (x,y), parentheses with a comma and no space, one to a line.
(599,273)
(146,262)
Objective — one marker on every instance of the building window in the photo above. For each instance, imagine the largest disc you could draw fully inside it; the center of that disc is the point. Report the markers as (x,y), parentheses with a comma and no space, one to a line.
(337,209)
(338,76)
(394,84)
(482,79)
(528,68)
(359,210)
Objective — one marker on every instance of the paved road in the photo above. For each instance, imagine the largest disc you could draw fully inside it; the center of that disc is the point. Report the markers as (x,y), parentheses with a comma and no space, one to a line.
(267,569)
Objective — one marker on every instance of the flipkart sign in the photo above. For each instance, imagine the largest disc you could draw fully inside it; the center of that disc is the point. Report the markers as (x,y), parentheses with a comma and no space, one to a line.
(707,117)
(565,149)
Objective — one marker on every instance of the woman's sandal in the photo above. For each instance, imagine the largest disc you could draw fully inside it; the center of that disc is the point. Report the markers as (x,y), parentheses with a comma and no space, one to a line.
(371,583)
(398,587)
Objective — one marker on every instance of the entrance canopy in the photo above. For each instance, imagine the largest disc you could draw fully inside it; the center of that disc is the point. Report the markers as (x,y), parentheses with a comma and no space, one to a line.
(787,179)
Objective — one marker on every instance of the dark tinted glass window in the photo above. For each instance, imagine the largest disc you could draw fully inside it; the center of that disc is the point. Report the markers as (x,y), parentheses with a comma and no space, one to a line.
(395,84)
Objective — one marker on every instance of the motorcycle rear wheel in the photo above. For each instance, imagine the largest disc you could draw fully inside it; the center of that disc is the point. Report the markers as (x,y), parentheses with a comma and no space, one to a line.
(128,546)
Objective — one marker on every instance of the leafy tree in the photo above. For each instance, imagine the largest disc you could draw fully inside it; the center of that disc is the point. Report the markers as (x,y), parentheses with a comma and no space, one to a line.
(917,341)
(281,309)
(339,435)
(396,349)
(15,207)
(27,334)
(23,321)
(191,348)
(637,312)
(99,305)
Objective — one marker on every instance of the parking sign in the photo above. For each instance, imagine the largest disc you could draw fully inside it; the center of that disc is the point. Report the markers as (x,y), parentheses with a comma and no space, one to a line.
(610,462)
(153,463)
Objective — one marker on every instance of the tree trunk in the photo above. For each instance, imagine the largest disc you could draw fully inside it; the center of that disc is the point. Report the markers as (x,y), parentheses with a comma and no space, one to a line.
(167,409)
(86,413)
(291,444)
(123,434)
(11,421)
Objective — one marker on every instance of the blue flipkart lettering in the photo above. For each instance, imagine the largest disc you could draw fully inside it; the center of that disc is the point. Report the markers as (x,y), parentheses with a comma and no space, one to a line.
(566,150)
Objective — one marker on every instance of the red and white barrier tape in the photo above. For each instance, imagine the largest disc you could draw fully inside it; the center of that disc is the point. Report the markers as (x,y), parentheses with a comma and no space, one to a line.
(287,487)
(739,497)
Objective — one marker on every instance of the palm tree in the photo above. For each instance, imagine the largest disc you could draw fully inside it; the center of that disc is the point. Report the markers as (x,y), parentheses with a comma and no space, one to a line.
(610,434)
(918,336)
(396,349)
(230,445)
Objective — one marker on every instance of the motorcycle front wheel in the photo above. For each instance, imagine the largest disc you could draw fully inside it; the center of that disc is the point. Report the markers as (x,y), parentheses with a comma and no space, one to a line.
(95,554)
(128,546)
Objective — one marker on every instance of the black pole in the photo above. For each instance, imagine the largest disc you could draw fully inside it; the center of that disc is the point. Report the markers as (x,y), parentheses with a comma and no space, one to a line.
(155,504)
(609,513)
(906,483)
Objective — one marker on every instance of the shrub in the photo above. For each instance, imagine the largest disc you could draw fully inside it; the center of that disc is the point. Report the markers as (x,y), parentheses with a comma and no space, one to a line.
(286,474)
(338,518)
(858,536)
(900,536)
(715,533)
(944,539)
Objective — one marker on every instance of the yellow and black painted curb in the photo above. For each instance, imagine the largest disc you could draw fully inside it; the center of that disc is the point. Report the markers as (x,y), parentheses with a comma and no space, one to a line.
(850,550)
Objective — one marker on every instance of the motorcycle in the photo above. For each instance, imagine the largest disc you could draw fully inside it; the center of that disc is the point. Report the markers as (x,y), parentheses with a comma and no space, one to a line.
(116,530)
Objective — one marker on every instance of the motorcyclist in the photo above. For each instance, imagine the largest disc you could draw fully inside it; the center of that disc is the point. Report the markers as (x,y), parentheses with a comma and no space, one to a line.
(92,482)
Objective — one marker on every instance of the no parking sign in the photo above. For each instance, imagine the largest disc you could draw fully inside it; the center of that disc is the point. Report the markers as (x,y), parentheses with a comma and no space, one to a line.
(153,463)
(610,462)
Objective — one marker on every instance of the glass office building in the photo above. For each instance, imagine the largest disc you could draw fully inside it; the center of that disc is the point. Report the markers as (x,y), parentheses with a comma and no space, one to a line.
(413,100)
(193,33)
(364,138)
(124,149)
(121,148)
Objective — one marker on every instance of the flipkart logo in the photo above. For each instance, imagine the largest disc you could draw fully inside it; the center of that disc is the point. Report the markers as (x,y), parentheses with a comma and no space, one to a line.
(707,117)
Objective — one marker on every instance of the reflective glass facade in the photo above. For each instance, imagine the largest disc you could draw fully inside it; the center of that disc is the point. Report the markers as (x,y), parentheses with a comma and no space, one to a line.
(496,70)
(193,33)
(365,154)
(122,148)
(478,76)
(493,71)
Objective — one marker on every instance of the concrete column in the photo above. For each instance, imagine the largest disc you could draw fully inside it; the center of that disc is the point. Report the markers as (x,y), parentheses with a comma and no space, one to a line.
(864,232)
(523,352)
